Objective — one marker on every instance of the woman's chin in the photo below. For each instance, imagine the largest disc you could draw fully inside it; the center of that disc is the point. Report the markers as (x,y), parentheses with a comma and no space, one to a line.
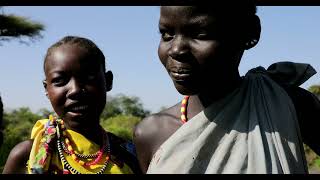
(186,90)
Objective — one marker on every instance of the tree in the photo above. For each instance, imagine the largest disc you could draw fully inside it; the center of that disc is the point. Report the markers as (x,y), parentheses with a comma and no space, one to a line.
(121,125)
(124,105)
(17,27)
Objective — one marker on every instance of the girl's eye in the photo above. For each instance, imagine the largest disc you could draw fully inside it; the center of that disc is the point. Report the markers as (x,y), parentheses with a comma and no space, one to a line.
(59,81)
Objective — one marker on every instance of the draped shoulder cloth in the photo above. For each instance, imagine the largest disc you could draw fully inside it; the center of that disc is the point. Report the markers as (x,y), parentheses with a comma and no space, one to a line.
(252,130)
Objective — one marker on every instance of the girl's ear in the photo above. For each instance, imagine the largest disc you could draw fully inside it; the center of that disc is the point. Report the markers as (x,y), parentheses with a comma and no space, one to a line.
(253,32)
(45,87)
(109,80)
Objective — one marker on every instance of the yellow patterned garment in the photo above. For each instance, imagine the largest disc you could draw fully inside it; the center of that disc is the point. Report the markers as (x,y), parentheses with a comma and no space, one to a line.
(81,145)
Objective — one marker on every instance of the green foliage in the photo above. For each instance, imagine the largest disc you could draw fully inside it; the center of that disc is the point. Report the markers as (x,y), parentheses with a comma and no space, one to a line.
(17,128)
(13,26)
(317,162)
(313,159)
(315,89)
(124,105)
(121,125)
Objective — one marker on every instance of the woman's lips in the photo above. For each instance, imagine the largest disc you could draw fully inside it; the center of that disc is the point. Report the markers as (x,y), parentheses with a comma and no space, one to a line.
(180,76)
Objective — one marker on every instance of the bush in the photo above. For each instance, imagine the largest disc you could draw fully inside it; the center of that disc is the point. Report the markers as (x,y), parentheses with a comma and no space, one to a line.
(121,125)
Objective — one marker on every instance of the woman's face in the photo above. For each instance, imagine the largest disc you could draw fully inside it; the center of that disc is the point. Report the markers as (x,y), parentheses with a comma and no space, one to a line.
(193,48)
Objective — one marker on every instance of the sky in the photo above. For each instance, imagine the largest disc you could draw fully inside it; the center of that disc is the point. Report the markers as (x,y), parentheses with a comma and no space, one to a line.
(129,37)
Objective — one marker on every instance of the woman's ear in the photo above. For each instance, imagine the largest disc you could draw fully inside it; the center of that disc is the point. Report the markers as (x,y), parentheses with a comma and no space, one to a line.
(109,80)
(45,87)
(253,32)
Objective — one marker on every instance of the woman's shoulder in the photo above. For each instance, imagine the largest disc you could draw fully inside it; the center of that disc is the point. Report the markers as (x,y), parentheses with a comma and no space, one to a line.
(151,124)
(302,98)
(307,106)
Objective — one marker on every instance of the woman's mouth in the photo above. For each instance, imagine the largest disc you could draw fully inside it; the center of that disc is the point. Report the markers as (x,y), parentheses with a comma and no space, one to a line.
(181,75)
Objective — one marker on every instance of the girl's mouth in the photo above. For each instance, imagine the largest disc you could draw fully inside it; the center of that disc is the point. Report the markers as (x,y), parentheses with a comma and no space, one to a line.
(77,109)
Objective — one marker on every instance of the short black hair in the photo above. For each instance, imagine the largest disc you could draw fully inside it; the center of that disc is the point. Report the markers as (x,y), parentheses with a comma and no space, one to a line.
(92,49)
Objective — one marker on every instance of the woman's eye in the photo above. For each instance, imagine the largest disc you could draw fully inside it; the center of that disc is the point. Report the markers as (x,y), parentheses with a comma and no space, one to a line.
(202,36)
(91,77)
(166,36)
(199,35)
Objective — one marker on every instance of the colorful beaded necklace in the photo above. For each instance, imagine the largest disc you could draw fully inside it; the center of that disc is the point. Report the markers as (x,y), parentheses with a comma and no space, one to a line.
(69,150)
(184,104)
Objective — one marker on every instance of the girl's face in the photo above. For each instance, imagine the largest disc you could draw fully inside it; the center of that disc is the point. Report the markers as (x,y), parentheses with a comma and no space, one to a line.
(193,48)
(76,86)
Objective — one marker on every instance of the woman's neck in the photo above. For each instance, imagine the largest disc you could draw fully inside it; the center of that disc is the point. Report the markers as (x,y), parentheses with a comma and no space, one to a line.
(214,92)
(219,89)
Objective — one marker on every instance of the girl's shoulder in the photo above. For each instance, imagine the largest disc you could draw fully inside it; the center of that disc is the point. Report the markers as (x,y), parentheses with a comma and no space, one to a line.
(123,151)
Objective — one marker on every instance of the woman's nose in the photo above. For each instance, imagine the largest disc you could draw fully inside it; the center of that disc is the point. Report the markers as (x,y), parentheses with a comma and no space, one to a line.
(179,47)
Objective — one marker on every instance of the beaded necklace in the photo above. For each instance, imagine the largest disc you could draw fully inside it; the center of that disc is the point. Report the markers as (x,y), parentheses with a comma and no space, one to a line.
(184,104)
(69,151)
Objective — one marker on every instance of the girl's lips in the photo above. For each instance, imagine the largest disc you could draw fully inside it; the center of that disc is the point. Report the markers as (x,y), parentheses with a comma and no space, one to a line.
(77,109)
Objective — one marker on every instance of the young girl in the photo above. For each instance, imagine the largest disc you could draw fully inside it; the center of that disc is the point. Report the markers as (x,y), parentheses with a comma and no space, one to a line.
(74,142)
(226,123)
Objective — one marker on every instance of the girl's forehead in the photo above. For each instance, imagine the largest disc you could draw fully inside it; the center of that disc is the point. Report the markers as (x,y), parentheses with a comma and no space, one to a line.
(71,50)
(66,55)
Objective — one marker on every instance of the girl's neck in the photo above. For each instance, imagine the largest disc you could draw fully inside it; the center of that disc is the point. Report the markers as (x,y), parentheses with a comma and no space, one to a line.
(93,133)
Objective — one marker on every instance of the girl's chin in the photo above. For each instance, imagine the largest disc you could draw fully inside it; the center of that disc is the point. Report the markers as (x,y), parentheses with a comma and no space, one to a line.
(75,118)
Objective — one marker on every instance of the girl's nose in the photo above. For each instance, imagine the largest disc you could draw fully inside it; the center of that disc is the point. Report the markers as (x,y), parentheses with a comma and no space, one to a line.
(75,88)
